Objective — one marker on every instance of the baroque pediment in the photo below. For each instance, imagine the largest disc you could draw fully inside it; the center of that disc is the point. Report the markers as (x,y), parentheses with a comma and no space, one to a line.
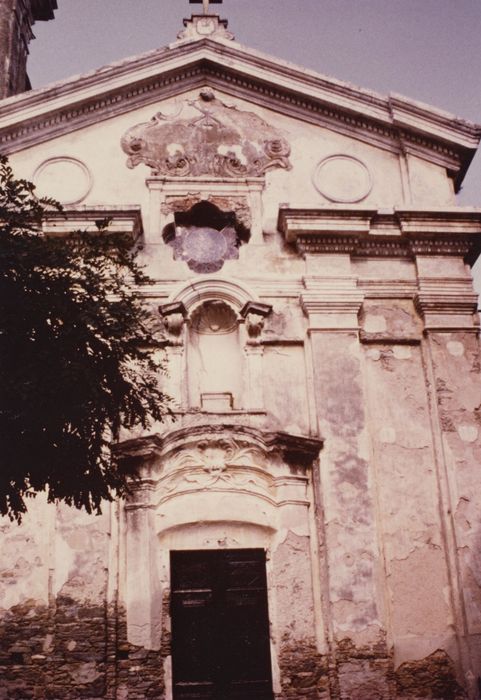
(210,458)
(391,123)
(206,137)
(213,447)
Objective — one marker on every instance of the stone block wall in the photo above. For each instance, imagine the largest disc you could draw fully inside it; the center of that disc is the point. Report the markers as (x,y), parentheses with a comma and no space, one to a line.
(16,19)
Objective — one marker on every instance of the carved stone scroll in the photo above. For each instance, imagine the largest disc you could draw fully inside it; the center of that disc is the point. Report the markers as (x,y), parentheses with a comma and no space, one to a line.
(255,315)
(206,137)
(173,316)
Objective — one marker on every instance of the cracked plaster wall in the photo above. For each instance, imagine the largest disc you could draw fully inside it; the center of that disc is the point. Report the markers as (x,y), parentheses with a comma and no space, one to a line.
(456,368)
(406,481)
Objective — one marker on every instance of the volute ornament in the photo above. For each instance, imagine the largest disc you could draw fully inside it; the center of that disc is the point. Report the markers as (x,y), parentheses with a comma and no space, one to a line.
(206,137)
(173,316)
(255,314)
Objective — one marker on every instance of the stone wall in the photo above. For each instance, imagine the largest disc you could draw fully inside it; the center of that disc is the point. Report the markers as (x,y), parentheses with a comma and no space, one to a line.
(16,19)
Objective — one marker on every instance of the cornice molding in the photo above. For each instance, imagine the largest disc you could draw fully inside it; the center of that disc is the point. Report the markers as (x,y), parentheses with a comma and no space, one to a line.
(364,232)
(292,448)
(123,220)
(393,123)
(331,303)
(445,303)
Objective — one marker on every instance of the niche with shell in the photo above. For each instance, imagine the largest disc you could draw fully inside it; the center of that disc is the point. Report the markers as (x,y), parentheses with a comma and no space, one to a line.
(214,359)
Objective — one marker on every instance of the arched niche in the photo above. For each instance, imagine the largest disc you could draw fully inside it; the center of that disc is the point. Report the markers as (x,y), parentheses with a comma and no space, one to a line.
(205,287)
(216,323)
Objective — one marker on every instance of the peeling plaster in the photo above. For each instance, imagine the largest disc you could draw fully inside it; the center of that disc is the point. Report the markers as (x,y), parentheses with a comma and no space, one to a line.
(418,602)
(455,348)
(468,433)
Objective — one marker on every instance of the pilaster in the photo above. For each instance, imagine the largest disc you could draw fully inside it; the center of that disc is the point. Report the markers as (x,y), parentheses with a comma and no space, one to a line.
(331,303)
(448,305)
(143,595)
(445,299)
(254,395)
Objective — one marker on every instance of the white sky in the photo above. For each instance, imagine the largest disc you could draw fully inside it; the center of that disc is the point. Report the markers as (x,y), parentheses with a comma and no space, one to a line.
(428,50)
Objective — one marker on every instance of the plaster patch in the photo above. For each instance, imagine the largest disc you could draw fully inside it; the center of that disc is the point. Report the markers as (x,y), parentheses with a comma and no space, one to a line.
(374,354)
(173,148)
(375,324)
(417,585)
(455,348)
(467,433)
(387,434)
(402,352)
(236,149)
(64,560)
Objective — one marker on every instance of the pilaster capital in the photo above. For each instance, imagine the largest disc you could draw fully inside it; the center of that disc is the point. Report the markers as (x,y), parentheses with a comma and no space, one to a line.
(332,303)
(253,348)
(255,313)
(174,315)
(446,302)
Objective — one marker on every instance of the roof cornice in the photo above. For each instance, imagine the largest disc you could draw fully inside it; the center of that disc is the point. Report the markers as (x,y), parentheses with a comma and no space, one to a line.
(393,122)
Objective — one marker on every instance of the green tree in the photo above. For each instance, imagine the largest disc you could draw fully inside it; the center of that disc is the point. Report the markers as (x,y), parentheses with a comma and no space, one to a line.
(76,357)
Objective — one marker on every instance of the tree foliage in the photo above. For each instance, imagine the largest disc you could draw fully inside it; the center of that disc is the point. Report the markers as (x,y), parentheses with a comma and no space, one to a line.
(76,357)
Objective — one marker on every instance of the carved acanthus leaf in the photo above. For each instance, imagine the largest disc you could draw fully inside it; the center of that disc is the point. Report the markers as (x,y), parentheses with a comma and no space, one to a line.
(205,479)
(215,456)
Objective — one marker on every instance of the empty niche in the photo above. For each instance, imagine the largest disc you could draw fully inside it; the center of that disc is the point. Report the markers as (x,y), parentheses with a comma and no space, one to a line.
(214,357)
(205,237)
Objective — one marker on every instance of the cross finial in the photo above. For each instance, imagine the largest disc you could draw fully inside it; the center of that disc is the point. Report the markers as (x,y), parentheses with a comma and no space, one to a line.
(205,3)
(205,25)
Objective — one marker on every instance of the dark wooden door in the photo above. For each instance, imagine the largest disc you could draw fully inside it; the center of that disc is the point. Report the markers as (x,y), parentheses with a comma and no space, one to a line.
(220,625)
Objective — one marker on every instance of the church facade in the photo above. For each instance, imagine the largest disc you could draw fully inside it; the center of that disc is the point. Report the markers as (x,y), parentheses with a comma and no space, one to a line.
(308,525)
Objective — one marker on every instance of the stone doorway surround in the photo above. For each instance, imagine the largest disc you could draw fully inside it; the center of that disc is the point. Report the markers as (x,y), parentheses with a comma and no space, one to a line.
(224,487)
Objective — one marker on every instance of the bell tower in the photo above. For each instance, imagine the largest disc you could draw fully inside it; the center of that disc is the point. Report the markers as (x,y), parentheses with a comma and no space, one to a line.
(16,20)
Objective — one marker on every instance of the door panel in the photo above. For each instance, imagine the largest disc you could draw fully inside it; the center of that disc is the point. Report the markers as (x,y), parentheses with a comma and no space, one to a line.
(220,625)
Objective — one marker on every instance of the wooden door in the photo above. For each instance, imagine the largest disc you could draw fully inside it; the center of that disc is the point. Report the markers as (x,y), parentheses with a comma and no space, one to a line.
(220,625)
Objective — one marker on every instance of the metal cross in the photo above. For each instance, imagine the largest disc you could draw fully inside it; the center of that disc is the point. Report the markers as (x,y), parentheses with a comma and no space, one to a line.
(205,4)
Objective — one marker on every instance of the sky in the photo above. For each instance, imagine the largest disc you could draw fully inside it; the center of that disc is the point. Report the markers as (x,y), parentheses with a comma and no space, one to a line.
(427,50)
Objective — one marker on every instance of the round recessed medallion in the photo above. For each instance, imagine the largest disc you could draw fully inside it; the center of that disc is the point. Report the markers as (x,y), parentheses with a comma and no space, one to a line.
(66,179)
(203,248)
(342,178)
(205,245)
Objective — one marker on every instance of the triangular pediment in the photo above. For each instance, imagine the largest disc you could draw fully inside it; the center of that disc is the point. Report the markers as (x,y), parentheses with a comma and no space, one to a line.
(391,123)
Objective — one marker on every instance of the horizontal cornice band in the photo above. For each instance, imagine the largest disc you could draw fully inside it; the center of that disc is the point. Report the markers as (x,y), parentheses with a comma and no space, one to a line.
(371,233)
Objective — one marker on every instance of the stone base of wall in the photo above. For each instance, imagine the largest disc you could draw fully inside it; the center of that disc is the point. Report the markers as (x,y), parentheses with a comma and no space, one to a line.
(71,650)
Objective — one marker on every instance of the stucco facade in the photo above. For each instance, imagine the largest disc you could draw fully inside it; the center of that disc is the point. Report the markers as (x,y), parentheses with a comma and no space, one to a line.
(314,299)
